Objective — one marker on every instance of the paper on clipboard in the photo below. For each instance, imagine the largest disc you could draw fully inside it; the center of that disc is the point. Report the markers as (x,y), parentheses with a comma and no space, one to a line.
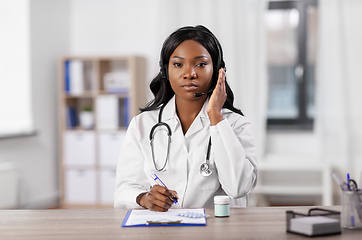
(142,218)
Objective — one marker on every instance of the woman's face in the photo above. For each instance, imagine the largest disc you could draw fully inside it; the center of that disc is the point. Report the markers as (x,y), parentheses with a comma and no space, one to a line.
(190,70)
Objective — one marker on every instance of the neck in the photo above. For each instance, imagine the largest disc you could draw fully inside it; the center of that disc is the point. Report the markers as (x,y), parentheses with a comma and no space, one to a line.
(188,110)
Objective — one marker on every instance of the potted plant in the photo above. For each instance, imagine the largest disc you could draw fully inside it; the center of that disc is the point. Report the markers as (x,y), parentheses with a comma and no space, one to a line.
(86,118)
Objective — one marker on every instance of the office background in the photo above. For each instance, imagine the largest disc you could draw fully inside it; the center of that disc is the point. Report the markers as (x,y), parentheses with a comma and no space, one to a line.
(117,27)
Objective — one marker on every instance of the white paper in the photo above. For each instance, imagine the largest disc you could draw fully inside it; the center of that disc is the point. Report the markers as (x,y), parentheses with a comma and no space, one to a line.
(140,217)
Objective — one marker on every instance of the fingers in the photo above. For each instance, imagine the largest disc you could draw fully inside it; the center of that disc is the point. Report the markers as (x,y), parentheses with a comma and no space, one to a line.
(220,85)
(220,88)
(217,99)
(159,199)
(173,193)
(221,79)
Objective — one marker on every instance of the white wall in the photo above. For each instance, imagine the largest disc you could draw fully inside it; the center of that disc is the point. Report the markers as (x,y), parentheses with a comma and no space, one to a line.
(38,155)
(117,27)
(292,143)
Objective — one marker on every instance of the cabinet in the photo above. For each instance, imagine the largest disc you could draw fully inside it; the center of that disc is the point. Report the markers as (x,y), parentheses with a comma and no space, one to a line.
(98,96)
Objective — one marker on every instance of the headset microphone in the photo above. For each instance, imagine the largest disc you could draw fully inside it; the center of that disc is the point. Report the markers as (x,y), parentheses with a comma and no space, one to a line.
(200,94)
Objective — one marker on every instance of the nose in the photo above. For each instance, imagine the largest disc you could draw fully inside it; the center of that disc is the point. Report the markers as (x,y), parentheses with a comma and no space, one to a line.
(189,73)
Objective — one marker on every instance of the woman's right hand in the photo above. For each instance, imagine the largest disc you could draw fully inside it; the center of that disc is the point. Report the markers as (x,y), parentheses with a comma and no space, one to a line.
(158,199)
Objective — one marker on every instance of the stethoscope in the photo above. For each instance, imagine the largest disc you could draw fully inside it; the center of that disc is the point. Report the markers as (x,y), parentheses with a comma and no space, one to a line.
(205,168)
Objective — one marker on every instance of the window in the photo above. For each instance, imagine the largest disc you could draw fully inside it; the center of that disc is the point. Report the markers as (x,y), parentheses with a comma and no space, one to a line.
(291,45)
(15,88)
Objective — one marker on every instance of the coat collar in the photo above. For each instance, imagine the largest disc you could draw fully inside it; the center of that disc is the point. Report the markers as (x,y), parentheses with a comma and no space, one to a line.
(169,115)
(170,110)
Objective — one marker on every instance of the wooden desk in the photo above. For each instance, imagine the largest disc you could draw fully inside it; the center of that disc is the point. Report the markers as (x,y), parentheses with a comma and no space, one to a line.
(244,223)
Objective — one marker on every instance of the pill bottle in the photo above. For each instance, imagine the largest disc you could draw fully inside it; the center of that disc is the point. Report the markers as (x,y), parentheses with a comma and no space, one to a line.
(222,206)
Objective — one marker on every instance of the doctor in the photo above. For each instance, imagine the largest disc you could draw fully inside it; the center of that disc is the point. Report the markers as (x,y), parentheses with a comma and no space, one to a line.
(190,134)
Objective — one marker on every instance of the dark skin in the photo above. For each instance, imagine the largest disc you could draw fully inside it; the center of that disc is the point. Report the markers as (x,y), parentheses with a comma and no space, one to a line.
(190,71)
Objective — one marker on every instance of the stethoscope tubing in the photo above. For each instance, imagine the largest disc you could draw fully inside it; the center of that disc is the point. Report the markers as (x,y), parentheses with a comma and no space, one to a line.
(205,169)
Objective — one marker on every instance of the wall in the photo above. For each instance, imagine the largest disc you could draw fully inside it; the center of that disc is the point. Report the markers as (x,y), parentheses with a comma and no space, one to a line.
(292,143)
(38,155)
(113,27)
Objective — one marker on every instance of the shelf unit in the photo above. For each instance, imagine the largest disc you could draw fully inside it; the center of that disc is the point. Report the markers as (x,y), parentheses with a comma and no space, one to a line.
(89,153)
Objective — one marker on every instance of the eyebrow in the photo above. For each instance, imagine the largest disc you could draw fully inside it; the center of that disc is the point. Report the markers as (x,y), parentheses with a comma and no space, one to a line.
(203,56)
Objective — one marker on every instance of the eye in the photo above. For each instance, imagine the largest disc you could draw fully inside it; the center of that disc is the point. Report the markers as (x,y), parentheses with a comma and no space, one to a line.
(201,64)
(177,64)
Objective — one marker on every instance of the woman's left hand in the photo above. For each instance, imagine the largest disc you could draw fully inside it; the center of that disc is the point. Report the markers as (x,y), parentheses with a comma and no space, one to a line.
(217,99)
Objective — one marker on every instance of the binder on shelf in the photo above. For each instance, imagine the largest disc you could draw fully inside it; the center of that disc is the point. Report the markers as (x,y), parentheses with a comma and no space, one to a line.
(89,76)
(72,120)
(66,74)
(107,114)
(74,77)
(317,222)
(126,114)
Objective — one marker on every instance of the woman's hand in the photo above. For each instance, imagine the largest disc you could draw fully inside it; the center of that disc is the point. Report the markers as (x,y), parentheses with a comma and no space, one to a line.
(159,199)
(217,99)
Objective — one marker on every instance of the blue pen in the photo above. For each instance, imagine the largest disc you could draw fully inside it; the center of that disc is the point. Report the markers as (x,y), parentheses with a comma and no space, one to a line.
(348,180)
(159,182)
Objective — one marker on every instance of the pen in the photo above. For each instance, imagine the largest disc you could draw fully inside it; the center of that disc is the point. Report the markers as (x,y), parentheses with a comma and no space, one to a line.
(352,215)
(340,182)
(348,180)
(159,182)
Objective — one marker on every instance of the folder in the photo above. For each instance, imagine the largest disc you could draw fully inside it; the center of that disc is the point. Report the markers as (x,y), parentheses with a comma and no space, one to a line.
(171,218)
(76,77)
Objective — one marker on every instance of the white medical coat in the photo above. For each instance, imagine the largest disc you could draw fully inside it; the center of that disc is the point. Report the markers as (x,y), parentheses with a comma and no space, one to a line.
(232,156)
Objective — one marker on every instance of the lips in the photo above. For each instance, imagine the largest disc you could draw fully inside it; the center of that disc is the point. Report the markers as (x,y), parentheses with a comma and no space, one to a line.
(189,86)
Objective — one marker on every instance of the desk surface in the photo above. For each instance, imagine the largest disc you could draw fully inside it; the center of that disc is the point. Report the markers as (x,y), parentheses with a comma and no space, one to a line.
(243,223)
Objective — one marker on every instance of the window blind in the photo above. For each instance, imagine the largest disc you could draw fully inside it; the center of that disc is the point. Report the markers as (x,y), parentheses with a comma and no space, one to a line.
(15,75)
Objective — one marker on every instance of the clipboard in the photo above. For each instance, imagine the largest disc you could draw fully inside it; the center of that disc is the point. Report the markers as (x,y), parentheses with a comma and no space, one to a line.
(171,218)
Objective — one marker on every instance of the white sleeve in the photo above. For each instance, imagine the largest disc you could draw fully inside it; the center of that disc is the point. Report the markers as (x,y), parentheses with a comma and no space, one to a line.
(131,179)
(234,156)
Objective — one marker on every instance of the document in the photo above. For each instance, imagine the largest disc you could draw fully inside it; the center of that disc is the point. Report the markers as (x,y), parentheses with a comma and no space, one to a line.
(173,217)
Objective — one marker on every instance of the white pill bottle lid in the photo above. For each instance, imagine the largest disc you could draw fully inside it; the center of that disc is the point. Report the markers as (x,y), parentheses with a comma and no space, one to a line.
(221,200)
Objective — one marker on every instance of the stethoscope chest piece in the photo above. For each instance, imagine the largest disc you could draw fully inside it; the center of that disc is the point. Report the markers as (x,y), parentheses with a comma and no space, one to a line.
(205,169)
